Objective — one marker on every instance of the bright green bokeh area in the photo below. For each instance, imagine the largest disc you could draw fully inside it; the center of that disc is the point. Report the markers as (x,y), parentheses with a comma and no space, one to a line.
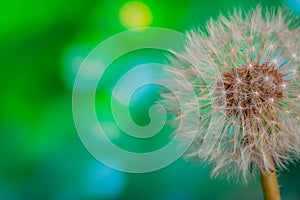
(42,45)
(135,14)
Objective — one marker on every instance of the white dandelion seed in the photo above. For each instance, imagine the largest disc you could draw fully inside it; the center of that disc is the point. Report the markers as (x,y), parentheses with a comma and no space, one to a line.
(254,88)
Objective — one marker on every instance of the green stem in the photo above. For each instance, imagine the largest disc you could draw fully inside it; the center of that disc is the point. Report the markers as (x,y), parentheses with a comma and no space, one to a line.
(270,184)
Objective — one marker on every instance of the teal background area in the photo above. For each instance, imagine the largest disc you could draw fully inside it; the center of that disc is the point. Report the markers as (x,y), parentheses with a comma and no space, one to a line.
(42,44)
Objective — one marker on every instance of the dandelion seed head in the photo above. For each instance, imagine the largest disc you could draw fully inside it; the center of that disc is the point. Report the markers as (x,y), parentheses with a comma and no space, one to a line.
(247,75)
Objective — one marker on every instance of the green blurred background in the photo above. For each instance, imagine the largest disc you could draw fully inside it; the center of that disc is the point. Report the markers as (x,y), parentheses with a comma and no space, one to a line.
(42,44)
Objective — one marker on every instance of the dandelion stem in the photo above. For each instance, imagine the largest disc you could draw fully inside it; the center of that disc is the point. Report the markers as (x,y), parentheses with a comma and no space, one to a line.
(270,183)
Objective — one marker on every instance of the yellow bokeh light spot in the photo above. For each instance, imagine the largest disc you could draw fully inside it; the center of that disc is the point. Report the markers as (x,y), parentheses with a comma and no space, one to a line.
(135,14)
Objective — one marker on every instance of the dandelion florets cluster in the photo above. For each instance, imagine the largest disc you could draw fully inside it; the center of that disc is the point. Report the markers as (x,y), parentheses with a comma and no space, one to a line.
(244,69)
(251,91)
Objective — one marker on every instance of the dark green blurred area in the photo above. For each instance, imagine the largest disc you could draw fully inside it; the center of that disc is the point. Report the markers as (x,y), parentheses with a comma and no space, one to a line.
(41,47)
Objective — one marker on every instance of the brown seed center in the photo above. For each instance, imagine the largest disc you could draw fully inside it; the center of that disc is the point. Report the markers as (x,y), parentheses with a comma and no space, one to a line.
(252,90)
